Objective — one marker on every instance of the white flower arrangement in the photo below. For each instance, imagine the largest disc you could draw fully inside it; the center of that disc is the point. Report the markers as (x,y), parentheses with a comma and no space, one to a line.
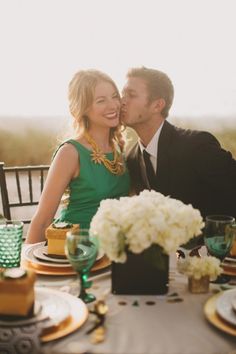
(135,223)
(197,267)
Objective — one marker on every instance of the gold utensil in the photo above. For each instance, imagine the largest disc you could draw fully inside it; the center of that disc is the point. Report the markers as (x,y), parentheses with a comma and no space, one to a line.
(98,331)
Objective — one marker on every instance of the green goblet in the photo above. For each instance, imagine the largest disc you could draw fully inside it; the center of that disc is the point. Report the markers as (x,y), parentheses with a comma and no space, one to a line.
(81,249)
(217,238)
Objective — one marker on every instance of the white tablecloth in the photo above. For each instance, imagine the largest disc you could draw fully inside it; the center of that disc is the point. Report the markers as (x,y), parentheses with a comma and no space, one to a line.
(138,328)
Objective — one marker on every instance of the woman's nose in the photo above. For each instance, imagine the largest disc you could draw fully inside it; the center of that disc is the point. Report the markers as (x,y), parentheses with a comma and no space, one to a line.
(114,104)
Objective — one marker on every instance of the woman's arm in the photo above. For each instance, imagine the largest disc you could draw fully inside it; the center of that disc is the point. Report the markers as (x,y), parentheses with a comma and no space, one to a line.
(63,169)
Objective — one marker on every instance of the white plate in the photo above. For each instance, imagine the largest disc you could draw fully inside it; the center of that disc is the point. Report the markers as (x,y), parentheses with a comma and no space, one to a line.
(224,306)
(28,255)
(78,315)
(230,259)
(54,306)
(50,307)
(234,303)
(41,253)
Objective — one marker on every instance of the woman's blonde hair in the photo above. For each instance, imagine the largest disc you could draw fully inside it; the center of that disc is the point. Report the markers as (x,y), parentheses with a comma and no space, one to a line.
(81,95)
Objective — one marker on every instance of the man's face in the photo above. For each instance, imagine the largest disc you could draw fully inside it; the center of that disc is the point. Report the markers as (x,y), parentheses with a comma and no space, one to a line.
(135,107)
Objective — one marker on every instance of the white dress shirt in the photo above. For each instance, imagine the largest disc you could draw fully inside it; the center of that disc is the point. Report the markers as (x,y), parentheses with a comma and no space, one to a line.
(152,149)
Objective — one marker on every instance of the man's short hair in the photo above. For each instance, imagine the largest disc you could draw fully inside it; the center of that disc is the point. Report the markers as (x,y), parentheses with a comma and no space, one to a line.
(158,83)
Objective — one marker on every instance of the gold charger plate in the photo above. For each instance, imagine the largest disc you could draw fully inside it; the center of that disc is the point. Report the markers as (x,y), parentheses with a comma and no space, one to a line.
(104,262)
(229,270)
(45,270)
(213,318)
(77,317)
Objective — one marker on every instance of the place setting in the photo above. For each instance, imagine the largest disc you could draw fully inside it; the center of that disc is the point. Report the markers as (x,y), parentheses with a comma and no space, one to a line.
(52,313)
(220,310)
(66,313)
(49,258)
(219,237)
(36,257)
(55,313)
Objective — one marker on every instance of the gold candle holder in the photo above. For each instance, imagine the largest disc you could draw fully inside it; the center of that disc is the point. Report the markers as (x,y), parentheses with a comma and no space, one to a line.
(198,286)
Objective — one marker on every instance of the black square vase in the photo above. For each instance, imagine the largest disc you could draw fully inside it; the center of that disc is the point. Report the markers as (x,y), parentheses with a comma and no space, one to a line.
(139,276)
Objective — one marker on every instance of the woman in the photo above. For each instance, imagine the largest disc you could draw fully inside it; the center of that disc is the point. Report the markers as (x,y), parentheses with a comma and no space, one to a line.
(89,167)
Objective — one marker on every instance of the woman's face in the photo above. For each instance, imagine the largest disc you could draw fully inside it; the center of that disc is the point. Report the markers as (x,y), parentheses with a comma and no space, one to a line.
(105,109)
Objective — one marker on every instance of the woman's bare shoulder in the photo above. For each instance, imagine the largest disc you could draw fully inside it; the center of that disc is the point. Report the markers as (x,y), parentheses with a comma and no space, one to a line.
(67,150)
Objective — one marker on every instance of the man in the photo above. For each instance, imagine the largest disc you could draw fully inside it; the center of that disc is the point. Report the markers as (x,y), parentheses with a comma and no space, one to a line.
(184,164)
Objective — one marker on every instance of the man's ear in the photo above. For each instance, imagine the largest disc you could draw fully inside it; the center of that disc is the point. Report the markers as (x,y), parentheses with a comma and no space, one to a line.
(158,105)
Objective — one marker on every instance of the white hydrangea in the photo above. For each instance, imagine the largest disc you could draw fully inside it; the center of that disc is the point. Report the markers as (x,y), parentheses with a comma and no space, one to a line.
(197,267)
(134,223)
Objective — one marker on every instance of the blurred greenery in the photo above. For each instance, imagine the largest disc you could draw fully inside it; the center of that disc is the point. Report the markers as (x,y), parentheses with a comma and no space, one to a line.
(31,147)
(227,139)
(34,146)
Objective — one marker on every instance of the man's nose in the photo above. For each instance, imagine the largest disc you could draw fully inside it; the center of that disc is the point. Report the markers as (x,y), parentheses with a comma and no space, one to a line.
(123,100)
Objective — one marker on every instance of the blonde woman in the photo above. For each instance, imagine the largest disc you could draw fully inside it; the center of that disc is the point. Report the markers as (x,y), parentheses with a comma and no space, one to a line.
(90,166)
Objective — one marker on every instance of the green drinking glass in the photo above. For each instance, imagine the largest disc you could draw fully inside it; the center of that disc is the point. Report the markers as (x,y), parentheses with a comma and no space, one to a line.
(81,249)
(11,233)
(218,240)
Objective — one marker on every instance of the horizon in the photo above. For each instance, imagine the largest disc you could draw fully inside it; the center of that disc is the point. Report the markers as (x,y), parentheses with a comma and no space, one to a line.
(62,123)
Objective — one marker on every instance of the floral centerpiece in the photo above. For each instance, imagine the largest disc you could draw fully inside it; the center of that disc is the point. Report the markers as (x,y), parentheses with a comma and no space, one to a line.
(200,271)
(149,224)
(197,267)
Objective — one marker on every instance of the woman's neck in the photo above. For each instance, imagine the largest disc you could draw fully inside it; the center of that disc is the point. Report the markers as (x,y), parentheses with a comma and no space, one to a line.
(100,137)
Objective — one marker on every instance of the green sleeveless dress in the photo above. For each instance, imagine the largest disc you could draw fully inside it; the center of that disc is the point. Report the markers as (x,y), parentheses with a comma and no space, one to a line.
(94,183)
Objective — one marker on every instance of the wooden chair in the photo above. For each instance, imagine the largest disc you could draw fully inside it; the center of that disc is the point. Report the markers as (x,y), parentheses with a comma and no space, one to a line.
(21,187)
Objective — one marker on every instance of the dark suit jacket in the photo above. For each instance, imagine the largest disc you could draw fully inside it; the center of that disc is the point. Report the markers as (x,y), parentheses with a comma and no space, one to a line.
(192,167)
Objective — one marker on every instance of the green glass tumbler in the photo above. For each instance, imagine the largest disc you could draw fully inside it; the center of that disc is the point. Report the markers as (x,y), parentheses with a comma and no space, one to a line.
(11,233)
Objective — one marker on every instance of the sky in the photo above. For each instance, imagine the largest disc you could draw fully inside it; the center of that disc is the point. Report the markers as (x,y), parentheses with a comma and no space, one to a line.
(44,42)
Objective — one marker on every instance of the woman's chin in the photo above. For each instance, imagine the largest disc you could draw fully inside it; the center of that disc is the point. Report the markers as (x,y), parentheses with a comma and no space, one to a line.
(114,123)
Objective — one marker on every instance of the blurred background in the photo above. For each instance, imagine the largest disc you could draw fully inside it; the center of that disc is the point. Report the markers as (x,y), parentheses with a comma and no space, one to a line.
(44,42)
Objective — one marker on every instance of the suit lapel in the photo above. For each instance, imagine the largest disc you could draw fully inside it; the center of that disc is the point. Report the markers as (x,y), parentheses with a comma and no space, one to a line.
(134,167)
(163,159)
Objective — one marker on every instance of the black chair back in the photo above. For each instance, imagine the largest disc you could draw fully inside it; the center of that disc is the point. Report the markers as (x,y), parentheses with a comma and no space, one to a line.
(27,183)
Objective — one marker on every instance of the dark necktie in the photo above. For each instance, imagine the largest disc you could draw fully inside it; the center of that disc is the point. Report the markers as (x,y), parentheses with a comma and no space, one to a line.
(149,169)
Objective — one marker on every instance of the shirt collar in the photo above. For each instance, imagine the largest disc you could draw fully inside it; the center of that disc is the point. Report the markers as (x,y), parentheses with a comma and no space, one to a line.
(152,147)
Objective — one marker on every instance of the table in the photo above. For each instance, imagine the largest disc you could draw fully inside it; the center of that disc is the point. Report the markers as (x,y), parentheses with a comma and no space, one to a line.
(139,328)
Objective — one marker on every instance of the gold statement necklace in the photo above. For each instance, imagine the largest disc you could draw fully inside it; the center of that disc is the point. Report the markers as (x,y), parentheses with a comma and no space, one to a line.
(115,166)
